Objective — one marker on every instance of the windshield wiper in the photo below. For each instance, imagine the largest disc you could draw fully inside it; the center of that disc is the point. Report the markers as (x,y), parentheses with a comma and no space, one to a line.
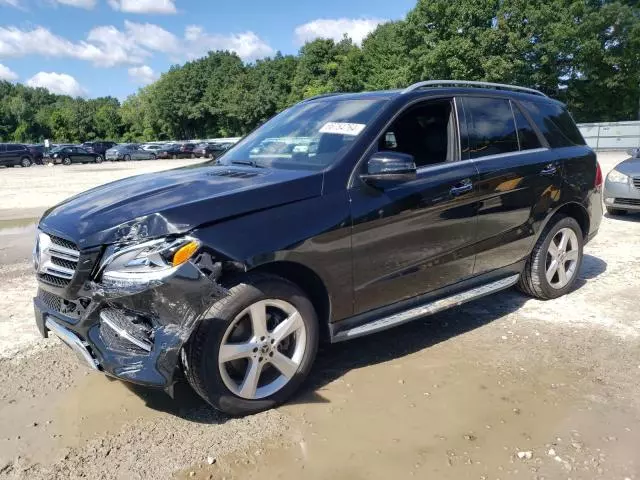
(249,163)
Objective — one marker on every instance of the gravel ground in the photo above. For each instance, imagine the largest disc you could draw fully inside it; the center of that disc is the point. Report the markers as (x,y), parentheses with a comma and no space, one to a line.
(504,387)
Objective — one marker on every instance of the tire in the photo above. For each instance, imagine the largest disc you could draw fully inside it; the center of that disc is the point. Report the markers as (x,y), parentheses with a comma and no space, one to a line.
(98,159)
(193,155)
(66,161)
(175,157)
(534,279)
(616,211)
(25,162)
(126,158)
(153,157)
(211,377)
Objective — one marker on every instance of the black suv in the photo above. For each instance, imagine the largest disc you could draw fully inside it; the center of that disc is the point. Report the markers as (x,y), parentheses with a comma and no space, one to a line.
(98,147)
(365,211)
(12,154)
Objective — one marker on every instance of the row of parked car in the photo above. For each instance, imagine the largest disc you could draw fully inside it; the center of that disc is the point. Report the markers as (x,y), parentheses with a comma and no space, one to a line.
(14,154)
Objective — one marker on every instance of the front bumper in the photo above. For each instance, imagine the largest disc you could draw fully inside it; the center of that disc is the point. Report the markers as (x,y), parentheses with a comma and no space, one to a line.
(624,196)
(101,327)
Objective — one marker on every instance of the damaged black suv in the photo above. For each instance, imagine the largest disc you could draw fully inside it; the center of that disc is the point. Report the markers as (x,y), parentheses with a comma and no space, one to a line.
(342,216)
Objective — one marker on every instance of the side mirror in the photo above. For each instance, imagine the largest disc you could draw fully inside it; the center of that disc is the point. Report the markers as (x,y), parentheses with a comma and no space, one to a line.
(389,167)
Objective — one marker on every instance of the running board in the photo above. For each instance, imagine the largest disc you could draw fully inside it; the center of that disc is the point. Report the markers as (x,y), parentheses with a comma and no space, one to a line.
(425,309)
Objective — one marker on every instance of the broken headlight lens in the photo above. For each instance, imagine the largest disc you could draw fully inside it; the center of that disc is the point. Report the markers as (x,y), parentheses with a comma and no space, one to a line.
(150,260)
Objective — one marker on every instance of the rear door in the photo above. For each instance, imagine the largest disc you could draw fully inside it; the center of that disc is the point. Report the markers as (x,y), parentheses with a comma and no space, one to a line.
(519,179)
(415,237)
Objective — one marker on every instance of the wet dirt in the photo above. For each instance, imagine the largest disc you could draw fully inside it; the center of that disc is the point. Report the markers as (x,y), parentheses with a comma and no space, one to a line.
(504,387)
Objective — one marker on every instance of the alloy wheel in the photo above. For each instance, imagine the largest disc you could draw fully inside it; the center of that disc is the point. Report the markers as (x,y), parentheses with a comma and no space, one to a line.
(262,349)
(562,258)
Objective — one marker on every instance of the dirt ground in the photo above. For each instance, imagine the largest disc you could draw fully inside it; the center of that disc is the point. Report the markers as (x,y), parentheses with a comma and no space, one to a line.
(504,387)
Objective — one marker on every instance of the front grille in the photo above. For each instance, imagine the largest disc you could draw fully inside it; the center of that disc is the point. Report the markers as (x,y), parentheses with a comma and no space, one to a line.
(636,182)
(57,260)
(60,305)
(628,201)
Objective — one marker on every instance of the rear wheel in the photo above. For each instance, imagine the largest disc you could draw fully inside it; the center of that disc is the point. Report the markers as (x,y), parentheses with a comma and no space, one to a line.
(175,157)
(26,162)
(127,158)
(193,155)
(616,211)
(255,346)
(66,161)
(553,267)
(98,159)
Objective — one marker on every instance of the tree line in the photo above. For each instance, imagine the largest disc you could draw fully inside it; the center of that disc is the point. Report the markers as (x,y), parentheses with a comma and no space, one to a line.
(583,52)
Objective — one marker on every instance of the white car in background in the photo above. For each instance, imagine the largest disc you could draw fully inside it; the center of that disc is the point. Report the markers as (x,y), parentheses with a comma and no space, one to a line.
(151,147)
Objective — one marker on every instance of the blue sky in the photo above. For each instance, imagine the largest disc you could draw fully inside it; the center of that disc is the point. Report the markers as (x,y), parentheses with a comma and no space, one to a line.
(112,47)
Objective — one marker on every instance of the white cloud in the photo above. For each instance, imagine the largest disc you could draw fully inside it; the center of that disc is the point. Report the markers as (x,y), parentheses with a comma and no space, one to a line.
(60,83)
(247,45)
(152,37)
(144,6)
(88,4)
(143,75)
(7,74)
(11,3)
(355,28)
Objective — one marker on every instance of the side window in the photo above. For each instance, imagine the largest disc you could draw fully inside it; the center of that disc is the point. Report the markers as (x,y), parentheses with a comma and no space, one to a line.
(491,126)
(427,131)
(555,123)
(527,136)
(13,148)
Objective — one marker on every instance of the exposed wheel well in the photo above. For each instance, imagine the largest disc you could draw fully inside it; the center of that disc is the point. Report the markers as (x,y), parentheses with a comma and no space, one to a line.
(578,212)
(311,283)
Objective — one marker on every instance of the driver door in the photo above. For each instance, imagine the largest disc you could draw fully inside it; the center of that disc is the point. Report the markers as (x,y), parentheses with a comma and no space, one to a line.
(414,237)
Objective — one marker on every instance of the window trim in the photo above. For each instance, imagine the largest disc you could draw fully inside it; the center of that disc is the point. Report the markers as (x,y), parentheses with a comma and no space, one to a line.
(541,138)
(432,98)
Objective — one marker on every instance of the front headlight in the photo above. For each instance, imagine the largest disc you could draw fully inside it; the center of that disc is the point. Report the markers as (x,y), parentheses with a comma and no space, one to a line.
(617,177)
(137,267)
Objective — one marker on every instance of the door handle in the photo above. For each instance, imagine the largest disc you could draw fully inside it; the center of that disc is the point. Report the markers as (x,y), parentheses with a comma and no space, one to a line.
(550,169)
(462,187)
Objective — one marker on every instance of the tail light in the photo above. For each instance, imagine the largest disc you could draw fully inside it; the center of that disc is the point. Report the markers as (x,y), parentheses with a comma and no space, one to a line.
(599,179)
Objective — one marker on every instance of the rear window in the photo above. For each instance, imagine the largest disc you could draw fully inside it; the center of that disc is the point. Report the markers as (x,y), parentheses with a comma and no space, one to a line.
(555,123)
(15,148)
(491,126)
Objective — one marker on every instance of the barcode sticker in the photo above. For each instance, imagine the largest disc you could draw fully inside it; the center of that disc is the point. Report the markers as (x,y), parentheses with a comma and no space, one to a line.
(340,128)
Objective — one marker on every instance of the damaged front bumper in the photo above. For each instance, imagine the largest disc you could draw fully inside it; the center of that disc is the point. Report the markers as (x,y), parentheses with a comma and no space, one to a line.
(132,335)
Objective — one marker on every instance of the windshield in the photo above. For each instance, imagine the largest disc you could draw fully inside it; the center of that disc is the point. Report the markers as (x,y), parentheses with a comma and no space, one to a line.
(307,136)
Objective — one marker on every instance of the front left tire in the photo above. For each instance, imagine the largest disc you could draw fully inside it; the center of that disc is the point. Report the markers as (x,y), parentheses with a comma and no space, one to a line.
(255,347)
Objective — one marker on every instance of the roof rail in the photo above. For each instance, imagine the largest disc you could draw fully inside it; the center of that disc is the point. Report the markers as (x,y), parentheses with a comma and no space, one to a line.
(322,95)
(469,83)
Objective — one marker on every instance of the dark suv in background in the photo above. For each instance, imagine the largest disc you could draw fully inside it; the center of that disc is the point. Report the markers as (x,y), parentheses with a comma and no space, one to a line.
(98,147)
(375,209)
(12,154)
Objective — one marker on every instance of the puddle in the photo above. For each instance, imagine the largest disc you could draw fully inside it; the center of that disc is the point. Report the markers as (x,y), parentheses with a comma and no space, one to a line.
(18,226)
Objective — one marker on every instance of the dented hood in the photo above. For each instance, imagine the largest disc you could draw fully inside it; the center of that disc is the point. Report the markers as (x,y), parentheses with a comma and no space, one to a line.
(174,201)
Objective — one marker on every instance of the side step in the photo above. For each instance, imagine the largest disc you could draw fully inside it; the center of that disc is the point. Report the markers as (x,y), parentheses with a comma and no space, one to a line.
(425,309)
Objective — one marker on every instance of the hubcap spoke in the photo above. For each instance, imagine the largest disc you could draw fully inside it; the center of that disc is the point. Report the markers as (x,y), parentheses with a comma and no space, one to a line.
(234,351)
(564,240)
(553,250)
(258,314)
(287,367)
(562,275)
(287,327)
(551,271)
(249,385)
(572,255)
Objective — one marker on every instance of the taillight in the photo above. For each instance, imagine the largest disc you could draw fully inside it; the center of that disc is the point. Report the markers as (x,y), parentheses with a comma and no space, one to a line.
(599,179)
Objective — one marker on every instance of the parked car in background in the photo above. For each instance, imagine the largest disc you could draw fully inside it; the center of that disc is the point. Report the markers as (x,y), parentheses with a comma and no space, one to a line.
(171,151)
(12,154)
(211,150)
(98,147)
(38,152)
(187,150)
(129,151)
(69,155)
(412,202)
(622,186)
(152,147)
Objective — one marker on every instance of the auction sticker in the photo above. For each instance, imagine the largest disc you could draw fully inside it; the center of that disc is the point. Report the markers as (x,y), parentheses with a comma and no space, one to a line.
(340,128)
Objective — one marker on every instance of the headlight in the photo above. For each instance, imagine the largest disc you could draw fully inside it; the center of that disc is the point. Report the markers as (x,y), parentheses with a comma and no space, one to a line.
(617,177)
(135,268)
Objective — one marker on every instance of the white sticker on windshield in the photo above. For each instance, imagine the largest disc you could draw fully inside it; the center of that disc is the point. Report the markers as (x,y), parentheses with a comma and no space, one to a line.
(340,128)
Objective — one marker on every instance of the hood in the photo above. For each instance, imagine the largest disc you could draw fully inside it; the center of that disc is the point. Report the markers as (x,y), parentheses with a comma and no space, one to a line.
(173,202)
(630,167)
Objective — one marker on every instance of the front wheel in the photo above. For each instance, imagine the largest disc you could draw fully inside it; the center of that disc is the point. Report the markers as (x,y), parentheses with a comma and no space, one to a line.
(553,267)
(126,158)
(98,159)
(254,347)
(66,161)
